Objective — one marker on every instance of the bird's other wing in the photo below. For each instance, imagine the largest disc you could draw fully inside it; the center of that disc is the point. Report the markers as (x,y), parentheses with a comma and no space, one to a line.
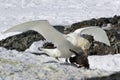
(46,30)
(98,33)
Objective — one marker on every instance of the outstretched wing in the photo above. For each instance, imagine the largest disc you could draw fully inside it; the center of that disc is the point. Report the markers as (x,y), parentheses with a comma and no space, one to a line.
(46,30)
(98,33)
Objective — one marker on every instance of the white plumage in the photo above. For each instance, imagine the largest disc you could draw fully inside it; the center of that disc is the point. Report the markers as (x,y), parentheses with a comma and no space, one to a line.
(64,43)
(98,34)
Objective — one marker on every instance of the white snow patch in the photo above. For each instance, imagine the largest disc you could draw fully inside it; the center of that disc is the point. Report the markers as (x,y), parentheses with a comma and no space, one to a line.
(107,62)
(34,47)
(4,36)
(24,65)
(64,12)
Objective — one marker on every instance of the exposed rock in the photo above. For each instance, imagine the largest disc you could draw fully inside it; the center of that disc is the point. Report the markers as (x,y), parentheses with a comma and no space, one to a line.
(16,65)
(113,34)
(115,76)
(23,41)
(98,48)
(59,28)
(95,22)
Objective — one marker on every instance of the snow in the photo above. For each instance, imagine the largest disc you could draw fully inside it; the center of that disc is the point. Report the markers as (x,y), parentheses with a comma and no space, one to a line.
(18,65)
(63,12)
(26,66)
(34,47)
(3,36)
(107,62)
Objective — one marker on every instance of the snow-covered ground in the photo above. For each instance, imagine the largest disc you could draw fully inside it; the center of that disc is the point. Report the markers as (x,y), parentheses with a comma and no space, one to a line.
(25,66)
(63,12)
(109,63)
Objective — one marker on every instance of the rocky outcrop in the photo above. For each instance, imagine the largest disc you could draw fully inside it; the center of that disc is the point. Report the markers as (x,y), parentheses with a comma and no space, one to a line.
(31,64)
(23,41)
(115,76)
(96,22)
(113,34)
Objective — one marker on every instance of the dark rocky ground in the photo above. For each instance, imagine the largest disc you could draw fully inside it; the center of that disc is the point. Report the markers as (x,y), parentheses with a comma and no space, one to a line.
(115,20)
(115,76)
(113,34)
(23,41)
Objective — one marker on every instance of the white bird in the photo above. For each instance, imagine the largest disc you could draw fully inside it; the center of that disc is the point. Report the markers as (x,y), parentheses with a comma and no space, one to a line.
(63,43)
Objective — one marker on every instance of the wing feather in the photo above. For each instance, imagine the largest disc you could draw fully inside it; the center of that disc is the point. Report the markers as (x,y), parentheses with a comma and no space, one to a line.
(98,33)
(47,31)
